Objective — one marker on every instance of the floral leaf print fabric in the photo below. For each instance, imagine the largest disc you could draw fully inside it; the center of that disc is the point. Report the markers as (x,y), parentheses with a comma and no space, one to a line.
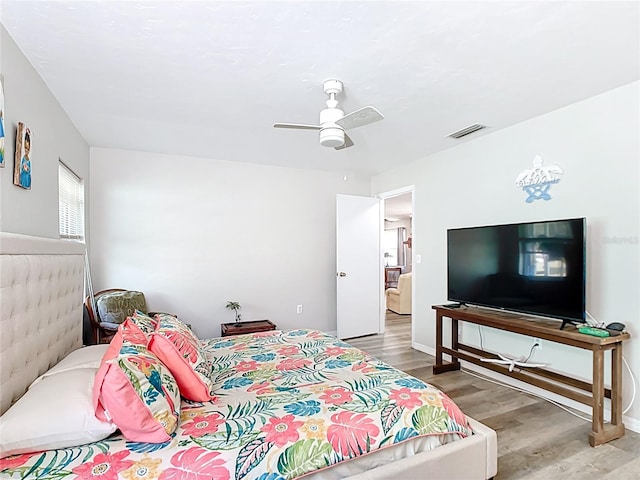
(250,456)
(196,463)
(302,456)
(286,404)
(351,434)
(104,466)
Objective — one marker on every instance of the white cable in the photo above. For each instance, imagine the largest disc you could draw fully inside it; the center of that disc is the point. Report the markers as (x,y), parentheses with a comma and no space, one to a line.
(592,322)
(88,280)
(633,382)
(523,362)
(482,377)
(488,379)
(633,378)
(512,362)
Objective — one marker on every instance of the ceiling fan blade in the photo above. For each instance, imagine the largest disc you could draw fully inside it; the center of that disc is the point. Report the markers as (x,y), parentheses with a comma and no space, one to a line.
(347,143)
(360,117)
(298,126)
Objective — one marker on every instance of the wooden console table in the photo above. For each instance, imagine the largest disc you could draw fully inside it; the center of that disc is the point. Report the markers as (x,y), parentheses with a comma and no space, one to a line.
(240,328)
(554,382)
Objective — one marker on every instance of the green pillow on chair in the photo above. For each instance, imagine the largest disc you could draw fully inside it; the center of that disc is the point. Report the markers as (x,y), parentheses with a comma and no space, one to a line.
(115,307)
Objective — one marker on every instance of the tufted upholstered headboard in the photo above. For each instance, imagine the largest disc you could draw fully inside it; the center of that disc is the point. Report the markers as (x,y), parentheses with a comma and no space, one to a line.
(41,293)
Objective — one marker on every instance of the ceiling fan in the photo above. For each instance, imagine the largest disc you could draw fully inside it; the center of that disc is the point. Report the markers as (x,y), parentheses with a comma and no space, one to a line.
(333,121)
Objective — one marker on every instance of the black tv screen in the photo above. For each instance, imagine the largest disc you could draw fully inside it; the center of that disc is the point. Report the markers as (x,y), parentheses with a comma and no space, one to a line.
(536,268)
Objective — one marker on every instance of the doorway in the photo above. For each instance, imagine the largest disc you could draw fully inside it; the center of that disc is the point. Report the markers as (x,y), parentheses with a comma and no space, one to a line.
(397,252)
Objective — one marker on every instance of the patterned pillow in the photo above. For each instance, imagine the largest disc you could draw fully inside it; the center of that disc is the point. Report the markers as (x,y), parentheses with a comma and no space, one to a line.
(144,322)
(115,307)
(136,391)
(180,350)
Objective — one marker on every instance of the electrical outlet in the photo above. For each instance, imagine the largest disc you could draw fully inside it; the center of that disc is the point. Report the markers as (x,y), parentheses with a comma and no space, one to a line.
(299,309)
(538,342)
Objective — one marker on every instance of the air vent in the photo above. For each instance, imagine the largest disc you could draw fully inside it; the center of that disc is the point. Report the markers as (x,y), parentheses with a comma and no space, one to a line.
(467,131)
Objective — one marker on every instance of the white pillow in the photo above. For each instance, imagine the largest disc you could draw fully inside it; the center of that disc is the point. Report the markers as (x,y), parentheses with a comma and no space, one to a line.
(86,357)
(56,412)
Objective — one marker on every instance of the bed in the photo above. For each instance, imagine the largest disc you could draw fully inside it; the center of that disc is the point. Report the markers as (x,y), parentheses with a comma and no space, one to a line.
(287,404)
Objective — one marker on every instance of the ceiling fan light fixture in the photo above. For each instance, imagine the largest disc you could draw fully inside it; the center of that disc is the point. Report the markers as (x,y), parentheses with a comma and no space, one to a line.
(333,121)
(331,137)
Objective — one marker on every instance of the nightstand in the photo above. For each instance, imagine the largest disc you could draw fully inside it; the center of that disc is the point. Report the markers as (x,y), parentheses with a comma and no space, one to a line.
(239,328)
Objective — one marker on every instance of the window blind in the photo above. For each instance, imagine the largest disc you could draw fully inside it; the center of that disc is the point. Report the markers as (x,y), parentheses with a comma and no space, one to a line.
(71,203)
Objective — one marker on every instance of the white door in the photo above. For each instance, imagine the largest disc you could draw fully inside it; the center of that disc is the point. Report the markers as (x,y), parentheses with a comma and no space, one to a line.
(358,273)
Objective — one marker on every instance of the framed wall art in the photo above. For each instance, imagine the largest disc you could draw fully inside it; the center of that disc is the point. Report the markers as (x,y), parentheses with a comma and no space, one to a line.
(1,121)
(22,169)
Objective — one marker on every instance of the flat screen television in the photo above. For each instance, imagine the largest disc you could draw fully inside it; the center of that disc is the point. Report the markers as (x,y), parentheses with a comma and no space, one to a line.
(536,268)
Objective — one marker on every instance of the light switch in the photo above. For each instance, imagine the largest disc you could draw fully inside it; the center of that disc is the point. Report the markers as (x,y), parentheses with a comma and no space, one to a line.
(418,258)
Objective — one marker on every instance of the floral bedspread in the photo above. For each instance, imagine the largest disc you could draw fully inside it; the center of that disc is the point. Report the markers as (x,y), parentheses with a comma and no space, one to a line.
(288,404)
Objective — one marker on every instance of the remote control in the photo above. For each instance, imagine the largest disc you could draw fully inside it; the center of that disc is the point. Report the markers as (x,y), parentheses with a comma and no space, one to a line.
(596,332)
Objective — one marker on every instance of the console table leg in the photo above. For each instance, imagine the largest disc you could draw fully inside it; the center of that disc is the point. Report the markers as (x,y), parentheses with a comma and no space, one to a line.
(616,386)
(438,341)
(454,335)
(616,429)
(440,366)
(597,421)
(599,432)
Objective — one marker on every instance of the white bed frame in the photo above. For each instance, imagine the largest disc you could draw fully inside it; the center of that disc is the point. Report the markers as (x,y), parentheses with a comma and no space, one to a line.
(41,295)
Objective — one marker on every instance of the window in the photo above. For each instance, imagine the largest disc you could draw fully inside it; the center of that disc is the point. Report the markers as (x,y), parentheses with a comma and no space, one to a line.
(70,203)
(394,248)
(390,247)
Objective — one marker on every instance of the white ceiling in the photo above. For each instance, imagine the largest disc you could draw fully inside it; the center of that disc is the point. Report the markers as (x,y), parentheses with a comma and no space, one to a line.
(210,78)
(399,207)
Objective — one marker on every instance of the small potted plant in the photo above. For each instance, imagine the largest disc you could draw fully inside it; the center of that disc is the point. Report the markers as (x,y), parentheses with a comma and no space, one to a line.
(235,306)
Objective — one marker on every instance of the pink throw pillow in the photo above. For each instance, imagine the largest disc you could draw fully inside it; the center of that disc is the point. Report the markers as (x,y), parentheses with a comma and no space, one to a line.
(179,349)
(136,391)
(112,352)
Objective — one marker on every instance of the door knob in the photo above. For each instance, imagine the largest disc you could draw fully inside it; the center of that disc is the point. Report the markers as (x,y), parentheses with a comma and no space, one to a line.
(342,274)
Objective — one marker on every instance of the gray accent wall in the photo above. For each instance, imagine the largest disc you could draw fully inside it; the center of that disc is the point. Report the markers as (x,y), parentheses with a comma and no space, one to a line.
(27,99)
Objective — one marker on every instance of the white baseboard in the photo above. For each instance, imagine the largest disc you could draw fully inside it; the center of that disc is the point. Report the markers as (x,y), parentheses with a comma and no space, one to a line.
(629,423)
(424,349)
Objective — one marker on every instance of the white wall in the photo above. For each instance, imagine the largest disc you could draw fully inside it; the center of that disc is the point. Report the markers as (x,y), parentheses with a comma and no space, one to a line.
(28,100)
(194,233)
(596,142)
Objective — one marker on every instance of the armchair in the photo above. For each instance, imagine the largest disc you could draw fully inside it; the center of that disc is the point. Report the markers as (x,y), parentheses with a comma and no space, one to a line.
(110,308)
(399,299)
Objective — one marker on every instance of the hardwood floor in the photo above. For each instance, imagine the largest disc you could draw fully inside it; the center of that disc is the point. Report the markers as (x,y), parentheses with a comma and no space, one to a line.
(536,439)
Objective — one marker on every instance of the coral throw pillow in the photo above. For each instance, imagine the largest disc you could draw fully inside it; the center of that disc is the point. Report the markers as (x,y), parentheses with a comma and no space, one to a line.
(180,350)
(136,391)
